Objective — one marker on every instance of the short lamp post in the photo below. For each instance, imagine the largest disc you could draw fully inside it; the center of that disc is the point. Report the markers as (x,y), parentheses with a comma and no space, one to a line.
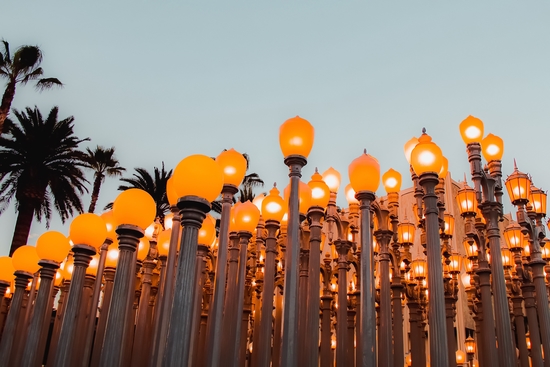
(52,247)
(296,140)
(470,346)
(426,161)
(364,176)
(198,180)
(133,210)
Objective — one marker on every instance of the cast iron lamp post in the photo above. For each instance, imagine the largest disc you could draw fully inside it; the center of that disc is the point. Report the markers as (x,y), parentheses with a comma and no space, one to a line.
(470,346)
(488,188)
(530,219)
(364,176)
(198,180)
(296,141)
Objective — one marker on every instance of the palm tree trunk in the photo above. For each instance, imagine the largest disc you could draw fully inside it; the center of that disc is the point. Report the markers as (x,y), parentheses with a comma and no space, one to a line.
(95,192)
(7,98)
(22,225)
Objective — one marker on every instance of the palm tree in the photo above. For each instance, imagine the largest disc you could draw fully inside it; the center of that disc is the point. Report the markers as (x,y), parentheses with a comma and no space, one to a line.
(103,162)
(41,165)
(22,68)
(154,184)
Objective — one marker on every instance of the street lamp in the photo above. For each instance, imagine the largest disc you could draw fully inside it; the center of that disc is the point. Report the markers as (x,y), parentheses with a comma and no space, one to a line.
(470,346)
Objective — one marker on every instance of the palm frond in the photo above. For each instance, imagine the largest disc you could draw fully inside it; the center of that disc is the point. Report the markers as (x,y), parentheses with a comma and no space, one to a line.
(7,50)
(48,83)
(33,75)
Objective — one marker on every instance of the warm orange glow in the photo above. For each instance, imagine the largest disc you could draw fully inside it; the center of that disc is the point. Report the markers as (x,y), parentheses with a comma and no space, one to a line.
(135,207)
(207,232)
(456,263)
(26,259)
(375,246)
(258,200)
(545,251)
(332,178)
(449,224)
(109,223)
(527,251)
(296,137)
(53,245)
(304,196)
(492,148)
(466,198)
(408,360)
(6,269)
(152,231)
(198,175)
(405,232)
(67,268)
(419,269)
(246,217)
(426,156)
(88,229)
(320,192)
(460,357)
(171,192)
(350,195)
(444,167)
(273,206)
(364,173)
(168,221)
(507,258)
(470,345)
(143,248)
(471,248)
(537,199)
(112,255)
(391,180)
(163,242)
(513,236)
(58,278)
(233,165)
(466,278)
(92,268)
(518,186)
(409,146)
(528,340)
(471,129)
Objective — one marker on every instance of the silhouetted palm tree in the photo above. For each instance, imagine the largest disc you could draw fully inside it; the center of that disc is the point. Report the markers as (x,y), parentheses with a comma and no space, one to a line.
(21,69)
(154,184)
(103,162)
(41,165)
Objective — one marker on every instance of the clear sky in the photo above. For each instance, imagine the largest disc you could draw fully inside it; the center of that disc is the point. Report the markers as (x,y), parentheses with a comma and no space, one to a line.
(160,80)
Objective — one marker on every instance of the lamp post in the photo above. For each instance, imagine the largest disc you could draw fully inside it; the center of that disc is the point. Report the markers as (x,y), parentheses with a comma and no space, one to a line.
(133,210)
(470,346)
(364,176)
(296,141)
(427,162)
(198,180)
(488,188)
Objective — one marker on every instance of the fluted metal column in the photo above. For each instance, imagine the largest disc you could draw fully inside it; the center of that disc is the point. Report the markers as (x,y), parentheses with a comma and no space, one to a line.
(325,357)
(109,275)
(193,211)
(488,323)
(202,251)
(367,310)
(82,257)
(123,289)
(215,316)
(277,330)
(528,290)
(385,350)
(32,355)
(449,318)
(342,246)
(519,323)
(57,322)
(416,336)
(398,350)
(350,350)
(436,301)
(141,342)
(313,302)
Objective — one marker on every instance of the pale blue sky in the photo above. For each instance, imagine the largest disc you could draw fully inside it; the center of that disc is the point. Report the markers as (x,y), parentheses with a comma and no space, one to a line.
(160,80)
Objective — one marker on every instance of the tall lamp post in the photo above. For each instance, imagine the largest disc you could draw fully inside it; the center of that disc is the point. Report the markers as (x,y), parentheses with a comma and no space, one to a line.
(364,176)
(296,141)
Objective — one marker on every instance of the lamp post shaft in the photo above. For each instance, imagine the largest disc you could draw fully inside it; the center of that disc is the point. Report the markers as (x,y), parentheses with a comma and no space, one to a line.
(436,301)
(289,347)
(193,211)
(326,300)
(342,247)
(385,342)
(487,321)
(109,275)
(141,344)
(312,321)
(367,310)
(398,350)
(532,318)
(519,323)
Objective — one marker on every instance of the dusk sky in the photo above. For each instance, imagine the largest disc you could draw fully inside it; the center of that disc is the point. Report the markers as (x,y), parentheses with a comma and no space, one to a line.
(160,80)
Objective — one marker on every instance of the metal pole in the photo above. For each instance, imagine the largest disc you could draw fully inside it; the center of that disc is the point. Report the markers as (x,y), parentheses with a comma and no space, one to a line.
(289,348)
(385,343)
(141,343)
(342,246)
(202,251)
(109,275)
(398,349)
(487,322)
(312,322)
(61,305)
(325,357)
(193,211)
(528,290)
(519,323)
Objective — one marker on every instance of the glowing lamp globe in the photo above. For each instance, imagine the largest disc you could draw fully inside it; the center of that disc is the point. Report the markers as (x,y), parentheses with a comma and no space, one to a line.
(466,198)
(513,236)
(492,148)
(273,206)
(53,245)
(460,357)
(207,232)
(304,196)
(419,269)
(537,199)
(405,232)
(296,137)
(364,173)
(232,217)
(168,221)
(109,223)
(426,156)
(26,259)
(6,269)
(92,267)
(134,207)
(143,248)
(258,199)
(320,192)
(171,192)
(391,180)
(332,178)
(518,185)
(58,278)
(163,242)
(471,130)
(112,256)
(507,258)
(449,227)
(444,167)
(88,229)
(456,263)
(247,216)
(233,165)
(545,252)
(153,230)
(350,195)
(198,175)
(408,148)
(470,345)
(67,268)
(471,248)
